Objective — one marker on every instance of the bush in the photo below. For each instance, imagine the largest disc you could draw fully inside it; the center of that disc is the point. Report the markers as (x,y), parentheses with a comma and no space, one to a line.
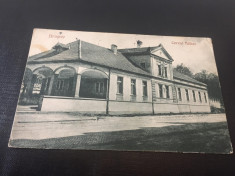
(217,110)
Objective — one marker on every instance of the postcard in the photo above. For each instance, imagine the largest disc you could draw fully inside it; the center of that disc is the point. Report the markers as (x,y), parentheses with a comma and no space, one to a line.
(126,92)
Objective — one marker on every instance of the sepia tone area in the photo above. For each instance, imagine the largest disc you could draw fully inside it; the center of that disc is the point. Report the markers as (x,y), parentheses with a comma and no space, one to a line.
(82,95)
(175,133)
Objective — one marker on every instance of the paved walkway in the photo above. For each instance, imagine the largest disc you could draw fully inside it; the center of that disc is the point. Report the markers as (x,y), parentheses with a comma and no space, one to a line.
(54,125)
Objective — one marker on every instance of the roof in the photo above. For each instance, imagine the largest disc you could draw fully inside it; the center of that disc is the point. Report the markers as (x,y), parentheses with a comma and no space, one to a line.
(145,50)
(60,45)
(90,53)
(178,75)
(135,50)
(43,54)
(102,56)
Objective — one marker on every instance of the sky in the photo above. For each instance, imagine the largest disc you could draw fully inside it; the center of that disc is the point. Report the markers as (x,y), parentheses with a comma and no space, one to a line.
(194,52)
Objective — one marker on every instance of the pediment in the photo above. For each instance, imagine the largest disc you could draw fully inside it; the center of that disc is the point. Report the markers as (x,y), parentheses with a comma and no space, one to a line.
(161,52)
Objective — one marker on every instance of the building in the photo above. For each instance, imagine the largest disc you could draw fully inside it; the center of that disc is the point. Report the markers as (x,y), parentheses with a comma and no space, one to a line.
(84,77)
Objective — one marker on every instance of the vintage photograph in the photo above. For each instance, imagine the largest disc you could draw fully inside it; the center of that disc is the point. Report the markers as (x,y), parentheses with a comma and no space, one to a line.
(125,92)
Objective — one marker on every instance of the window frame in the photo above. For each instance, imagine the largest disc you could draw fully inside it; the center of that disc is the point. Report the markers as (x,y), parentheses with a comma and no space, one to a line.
(159,70)
(133,87)
(165,72)
(167,91)
(179,94)
(200,98)
(100,88)
(187,94)
(145,88)
(160,90)
(60,84)
(194,96)
(120,83)
(205,97)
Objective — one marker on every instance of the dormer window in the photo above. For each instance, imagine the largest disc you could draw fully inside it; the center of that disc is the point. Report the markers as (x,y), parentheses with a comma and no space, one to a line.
(143,65)
(59,47)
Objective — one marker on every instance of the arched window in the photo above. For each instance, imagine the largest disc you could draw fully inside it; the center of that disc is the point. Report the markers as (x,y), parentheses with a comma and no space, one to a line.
(93,84)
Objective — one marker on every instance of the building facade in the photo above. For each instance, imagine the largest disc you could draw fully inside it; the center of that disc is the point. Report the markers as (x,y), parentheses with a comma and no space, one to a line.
(87,78)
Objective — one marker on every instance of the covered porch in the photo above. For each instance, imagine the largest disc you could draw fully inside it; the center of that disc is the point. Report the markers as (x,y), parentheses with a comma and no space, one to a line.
(62,82)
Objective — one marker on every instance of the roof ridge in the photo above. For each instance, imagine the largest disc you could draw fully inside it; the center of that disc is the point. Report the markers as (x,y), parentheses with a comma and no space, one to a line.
(139,48)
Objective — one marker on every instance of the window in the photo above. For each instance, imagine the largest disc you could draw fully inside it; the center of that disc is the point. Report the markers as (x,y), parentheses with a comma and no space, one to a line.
(143,65)
(165,68)
(120,85)
(205,97)
(133,86)
(200,98)
(71,80)
(60,85)
(179,93)
(159,70)
(45,85)
(187,96)
(167,92)
(145,92)
(194,97)
(99,87)
(160,91)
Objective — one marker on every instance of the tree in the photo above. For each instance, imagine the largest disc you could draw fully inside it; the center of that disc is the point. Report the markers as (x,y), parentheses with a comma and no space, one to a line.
(184,70)
(26,79)
(213,85)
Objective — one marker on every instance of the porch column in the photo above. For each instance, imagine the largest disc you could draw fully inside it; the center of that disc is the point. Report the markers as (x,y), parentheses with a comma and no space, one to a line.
(77,88)
(51,85)
(107,93)
(31,85)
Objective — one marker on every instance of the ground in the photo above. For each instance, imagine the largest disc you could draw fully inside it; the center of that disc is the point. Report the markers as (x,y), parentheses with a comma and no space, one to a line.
(182,133)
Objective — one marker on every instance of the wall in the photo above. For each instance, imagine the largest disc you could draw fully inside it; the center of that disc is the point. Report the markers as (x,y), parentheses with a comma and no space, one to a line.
(65,104)
(155,71)
(127,86)
(165,108)
(191,99)
(180,108)
(127,105)
(98,106)
(163,83)
(118,107)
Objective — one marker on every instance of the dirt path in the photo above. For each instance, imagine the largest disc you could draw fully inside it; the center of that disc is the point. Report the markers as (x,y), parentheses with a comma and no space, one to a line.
(45,126)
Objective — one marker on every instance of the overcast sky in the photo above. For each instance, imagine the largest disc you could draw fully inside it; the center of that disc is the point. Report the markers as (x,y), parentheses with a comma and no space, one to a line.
(196,53)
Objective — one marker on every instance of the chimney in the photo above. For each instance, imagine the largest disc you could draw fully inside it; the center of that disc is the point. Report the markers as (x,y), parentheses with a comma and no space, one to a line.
(139,43)
(114,48)
(79,49)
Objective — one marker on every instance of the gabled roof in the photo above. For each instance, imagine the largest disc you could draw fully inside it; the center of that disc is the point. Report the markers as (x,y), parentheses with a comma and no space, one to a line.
(93,54)
(145,50)
(178,75)
(160,47)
